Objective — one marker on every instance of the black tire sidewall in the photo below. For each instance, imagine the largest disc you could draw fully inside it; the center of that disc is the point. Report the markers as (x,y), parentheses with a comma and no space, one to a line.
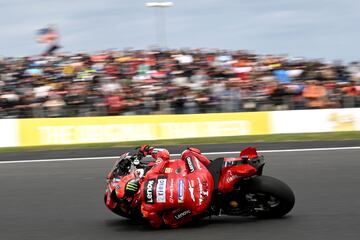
(274,187)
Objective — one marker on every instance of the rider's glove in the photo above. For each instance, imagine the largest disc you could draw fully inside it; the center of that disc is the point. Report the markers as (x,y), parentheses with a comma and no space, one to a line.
(145,150)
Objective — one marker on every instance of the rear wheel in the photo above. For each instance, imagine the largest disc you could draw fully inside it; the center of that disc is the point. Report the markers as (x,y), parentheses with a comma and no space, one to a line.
(268,197)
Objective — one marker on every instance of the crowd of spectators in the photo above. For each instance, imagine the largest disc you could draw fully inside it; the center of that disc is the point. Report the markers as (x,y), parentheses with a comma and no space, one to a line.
(171,82)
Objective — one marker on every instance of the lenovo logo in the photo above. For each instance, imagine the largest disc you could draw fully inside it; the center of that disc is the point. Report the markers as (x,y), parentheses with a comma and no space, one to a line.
(190,164)
(182,214)
(149,192)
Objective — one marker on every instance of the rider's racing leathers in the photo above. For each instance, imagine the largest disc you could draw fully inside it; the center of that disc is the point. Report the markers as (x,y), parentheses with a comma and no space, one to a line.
(173,197)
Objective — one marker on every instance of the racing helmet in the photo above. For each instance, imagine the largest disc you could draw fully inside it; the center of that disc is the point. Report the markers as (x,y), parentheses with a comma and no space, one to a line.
(191,151)
(160,153)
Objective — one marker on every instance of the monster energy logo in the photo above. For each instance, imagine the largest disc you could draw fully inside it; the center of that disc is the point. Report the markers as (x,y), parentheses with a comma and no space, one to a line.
(132,187)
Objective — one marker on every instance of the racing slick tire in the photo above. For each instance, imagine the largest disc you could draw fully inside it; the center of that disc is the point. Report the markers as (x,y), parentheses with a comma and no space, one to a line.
(269,197)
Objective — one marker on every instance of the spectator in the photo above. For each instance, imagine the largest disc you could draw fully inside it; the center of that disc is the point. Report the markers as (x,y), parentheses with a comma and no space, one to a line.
(114,103)
(170,81)
(54,106)
(278,97)
(315,95)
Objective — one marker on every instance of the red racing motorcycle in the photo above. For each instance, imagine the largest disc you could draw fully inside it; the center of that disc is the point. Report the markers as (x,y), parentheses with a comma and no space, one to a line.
(240,189)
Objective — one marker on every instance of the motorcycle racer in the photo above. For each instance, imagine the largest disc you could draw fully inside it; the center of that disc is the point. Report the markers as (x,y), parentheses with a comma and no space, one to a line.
(167,196)
(126,195)
(175,191)
(174,197)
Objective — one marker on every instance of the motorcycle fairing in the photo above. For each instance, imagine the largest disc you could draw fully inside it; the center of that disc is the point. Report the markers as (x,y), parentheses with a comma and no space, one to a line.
(230,175)
(246,165)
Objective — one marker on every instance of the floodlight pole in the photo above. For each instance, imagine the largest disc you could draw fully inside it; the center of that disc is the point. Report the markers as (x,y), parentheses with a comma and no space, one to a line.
(160,21)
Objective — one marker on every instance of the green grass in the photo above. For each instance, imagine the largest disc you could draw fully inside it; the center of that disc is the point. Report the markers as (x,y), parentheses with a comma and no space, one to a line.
(335,136)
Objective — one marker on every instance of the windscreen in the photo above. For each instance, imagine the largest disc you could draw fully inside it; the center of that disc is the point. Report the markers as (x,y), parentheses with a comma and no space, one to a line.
(115,169)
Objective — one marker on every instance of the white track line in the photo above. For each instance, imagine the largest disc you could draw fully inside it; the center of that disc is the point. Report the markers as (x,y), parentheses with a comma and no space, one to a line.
(176,155)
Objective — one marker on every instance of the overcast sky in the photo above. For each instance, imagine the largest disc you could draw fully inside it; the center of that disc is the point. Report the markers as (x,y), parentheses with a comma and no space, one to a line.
(310,28)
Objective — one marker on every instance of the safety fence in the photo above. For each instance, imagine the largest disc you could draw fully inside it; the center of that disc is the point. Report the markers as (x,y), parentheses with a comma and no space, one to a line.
(77,130)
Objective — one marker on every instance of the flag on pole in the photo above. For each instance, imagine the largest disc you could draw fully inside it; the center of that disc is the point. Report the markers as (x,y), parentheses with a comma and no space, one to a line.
(47,35)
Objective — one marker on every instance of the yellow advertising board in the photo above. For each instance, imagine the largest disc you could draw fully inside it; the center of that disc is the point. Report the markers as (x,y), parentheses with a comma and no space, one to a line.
(54,131)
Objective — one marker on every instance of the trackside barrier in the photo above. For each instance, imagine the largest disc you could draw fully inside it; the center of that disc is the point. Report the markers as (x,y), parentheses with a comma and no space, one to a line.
(9,133)
(55,131)
(36,132)
(308,121)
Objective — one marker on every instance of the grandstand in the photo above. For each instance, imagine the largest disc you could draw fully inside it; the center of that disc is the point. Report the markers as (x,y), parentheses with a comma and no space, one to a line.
(134,82)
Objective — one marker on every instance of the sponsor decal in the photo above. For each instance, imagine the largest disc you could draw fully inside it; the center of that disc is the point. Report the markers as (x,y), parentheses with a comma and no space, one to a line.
(139,173)
(161,190)
(168,170)
(200,191)
(149,191)
(232,178)
(182,214)
(203,190)
(343,122)
(197,163)
(132,187)
(190,164)
(171,188)
(191,190)
(205,195)
(180,190)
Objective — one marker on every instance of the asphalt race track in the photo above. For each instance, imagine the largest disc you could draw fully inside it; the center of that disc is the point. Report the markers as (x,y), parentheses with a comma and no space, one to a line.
(64,200)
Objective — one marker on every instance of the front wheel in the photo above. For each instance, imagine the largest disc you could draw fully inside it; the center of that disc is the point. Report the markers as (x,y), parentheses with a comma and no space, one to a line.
(268,197)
